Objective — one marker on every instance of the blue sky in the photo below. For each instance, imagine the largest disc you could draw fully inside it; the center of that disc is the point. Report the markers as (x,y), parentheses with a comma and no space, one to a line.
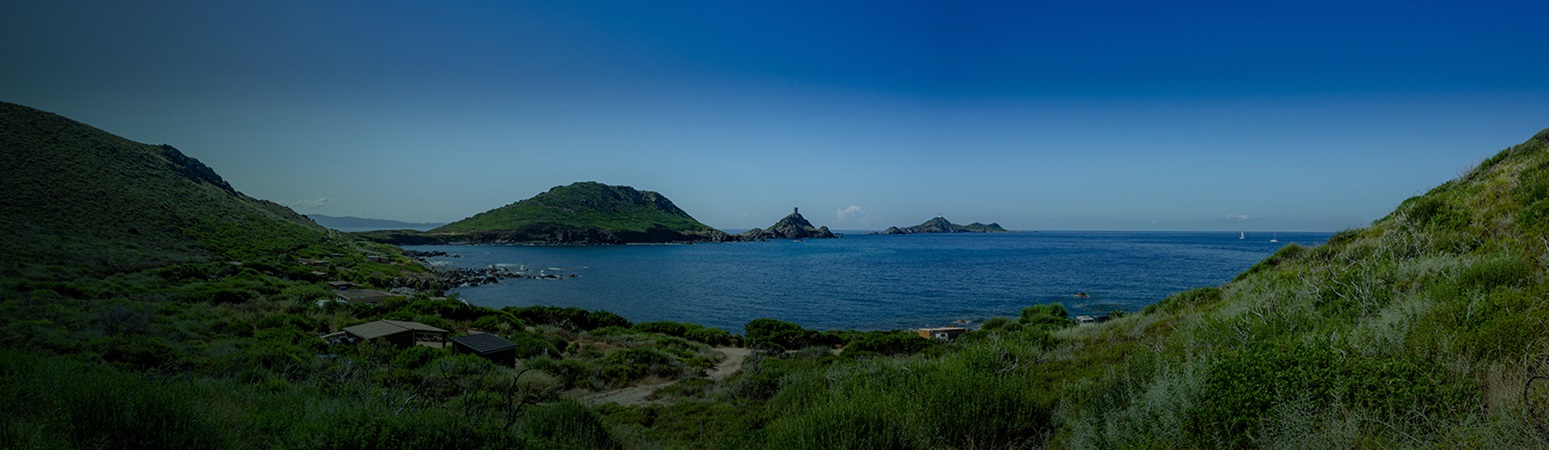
(1037,115)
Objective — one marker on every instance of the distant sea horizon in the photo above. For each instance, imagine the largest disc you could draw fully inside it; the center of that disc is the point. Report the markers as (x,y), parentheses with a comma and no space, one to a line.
(871,282)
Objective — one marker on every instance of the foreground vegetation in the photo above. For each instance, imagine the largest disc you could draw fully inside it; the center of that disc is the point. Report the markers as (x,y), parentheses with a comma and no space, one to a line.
(1425,329)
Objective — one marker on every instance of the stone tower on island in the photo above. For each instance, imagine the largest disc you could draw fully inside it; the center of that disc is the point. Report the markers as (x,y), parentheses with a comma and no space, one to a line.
(793,226)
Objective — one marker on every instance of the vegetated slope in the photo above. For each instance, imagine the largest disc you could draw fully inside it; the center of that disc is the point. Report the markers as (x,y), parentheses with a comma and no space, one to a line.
(79,199)
(586,212)
(942,225)
(1420,330)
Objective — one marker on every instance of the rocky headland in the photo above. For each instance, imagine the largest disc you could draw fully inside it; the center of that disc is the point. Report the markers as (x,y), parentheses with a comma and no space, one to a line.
(942,225)
(586,213)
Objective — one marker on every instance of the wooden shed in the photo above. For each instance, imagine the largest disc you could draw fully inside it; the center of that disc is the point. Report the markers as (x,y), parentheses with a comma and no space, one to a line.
(488,345)
(398,332)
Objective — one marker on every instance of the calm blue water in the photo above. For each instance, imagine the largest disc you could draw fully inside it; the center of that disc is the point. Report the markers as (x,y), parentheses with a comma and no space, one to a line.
(868,282)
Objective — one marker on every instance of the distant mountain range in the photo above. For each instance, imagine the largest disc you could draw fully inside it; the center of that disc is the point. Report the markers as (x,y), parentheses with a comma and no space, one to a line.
(351,223)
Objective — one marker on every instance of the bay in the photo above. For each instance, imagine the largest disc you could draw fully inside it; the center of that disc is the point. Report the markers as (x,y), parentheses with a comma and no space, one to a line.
(869,282)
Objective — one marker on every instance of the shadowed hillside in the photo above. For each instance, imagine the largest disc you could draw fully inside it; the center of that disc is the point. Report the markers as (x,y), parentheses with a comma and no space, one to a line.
(81,200)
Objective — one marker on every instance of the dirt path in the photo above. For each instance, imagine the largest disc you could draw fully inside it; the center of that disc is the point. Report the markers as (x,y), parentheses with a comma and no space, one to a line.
(732,363)
(636,395)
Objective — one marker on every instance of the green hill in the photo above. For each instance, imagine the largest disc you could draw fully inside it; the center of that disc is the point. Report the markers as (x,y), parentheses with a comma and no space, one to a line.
(586,212)
(79,200)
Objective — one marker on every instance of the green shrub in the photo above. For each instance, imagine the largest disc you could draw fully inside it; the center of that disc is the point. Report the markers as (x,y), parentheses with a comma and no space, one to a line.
(499,323)
(287,321)
(773,334)
(530,345)
(1046,317)
(1242,388)
(995,323)
(1431,211)
(569,372)
(667,328)
(690,331)
(55,403)
(416,357)
(1502,270)
(573,319)
(978,397)
(567,425)
(890,344)
(1050,309)
(630,364)
(138,351)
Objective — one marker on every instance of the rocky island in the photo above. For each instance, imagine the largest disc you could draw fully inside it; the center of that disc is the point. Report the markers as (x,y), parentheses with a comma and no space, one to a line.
(579,213)
(942,225)
(793,226)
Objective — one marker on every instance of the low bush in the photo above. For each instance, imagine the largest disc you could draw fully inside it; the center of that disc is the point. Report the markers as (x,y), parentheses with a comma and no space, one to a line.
(690,331)
(1049,316)
(771,334)
(889,344)
(1242,388)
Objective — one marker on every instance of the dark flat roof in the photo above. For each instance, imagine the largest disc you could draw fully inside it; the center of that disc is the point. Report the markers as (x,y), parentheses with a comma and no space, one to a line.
(373,330)
(363,295)
(484,343)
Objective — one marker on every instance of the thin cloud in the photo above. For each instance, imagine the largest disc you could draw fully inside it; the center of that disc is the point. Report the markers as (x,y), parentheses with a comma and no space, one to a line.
(852,215)
(1238,217)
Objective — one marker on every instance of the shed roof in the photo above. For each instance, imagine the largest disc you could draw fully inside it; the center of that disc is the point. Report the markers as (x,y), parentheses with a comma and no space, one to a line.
(380,328)
(484,343)
(363,295)
(416,326)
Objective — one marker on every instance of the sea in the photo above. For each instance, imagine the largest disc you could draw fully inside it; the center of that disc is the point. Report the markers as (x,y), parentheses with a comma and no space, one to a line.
(869,282)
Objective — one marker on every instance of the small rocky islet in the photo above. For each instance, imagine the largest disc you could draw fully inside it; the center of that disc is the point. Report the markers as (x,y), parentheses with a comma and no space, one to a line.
(942,225)
(793,226)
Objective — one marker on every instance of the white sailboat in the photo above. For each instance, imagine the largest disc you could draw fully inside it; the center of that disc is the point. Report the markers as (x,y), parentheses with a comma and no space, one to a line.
(1241,235)
(1275,237)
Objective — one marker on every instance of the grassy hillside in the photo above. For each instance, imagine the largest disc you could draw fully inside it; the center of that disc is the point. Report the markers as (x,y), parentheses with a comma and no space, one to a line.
(80,200)
(1425,330)
(1422,330)
(584,212)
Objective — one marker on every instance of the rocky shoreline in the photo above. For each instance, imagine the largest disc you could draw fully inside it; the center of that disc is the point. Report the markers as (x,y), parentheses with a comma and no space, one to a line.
(460,277)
